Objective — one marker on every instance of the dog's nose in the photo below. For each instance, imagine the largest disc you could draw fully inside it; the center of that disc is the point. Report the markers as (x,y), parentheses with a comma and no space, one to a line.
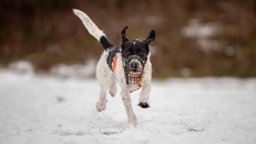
(134,66)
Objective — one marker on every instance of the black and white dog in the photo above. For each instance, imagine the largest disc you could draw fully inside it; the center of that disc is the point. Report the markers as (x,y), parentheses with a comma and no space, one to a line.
(128,64)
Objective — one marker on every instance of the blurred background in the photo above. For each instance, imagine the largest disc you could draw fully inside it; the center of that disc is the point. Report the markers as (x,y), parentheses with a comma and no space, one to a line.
(194,37)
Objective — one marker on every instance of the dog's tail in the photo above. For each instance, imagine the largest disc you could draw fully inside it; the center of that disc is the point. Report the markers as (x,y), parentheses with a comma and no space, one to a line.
(92,28)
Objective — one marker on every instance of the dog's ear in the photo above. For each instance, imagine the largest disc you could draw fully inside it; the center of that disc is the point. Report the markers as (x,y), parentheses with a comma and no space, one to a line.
(124,39)
(150,37)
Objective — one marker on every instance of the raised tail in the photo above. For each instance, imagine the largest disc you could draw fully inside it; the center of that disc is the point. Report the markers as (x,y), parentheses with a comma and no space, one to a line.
(92,28)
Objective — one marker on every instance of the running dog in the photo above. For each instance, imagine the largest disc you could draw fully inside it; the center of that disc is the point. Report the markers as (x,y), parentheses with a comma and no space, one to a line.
(128,64)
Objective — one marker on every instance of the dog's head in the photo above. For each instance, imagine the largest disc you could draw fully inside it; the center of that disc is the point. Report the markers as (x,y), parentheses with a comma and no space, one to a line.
(135,52)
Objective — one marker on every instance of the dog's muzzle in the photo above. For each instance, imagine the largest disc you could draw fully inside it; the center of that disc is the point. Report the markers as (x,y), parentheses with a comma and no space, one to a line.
(134,66)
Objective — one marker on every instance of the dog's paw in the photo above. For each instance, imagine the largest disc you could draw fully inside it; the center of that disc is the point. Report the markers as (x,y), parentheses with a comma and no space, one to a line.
(100,106)
(143,104)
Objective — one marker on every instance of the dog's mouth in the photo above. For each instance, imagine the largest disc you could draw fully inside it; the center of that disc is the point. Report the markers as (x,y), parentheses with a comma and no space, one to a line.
(133,66)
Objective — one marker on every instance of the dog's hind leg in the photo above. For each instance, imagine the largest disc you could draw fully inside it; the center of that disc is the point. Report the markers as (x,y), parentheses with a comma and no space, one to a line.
(101,104)
(128,106)
(112,88)
(103,74)
(104,78)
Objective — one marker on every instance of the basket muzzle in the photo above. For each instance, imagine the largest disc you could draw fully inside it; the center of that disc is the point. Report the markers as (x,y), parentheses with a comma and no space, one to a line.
(133,66)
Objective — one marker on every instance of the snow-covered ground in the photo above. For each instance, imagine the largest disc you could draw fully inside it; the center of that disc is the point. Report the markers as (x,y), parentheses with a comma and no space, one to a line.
(44,109)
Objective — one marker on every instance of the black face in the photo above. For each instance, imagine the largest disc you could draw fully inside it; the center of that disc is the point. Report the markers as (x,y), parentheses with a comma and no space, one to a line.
(135,52)
(136,47)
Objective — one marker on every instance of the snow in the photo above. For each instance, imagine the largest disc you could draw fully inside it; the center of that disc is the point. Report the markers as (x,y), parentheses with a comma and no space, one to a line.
(78,70)
(204,33)
(45,109)
(198,29)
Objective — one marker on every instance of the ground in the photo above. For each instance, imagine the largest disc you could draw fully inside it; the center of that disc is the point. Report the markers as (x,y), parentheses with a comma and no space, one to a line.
(45,109)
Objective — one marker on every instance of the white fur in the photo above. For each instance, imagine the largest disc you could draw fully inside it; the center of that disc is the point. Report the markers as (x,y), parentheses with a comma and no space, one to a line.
(107,78)
(89,24)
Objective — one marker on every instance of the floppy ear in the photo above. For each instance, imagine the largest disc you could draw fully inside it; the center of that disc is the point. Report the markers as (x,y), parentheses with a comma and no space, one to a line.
(124,39)
(150,37)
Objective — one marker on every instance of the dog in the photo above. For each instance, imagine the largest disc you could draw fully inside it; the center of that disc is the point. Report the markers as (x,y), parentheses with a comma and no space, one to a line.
(128,64)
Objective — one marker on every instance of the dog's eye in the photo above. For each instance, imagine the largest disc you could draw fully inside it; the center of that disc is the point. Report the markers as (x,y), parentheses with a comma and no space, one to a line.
(140,52)
(126,54)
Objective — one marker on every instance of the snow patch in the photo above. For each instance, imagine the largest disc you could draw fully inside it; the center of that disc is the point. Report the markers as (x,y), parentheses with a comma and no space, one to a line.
(21,67)
(198,29)
(45,109)
(204,34)
(80,71)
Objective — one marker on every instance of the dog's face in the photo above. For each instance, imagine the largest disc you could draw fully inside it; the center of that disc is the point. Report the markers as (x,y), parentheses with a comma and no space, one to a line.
(135,52)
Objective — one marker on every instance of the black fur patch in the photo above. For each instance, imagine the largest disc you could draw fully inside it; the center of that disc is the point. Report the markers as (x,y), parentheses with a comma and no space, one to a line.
(105,43)
(143,105)
(112,53)
(135,47)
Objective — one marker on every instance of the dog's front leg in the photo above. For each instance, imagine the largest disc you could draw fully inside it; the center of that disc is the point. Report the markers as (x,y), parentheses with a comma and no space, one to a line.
(128,106)
(146,87)
(144,96)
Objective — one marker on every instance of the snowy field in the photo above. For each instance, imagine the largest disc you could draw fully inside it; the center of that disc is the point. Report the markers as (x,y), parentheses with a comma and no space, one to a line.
(45,109)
